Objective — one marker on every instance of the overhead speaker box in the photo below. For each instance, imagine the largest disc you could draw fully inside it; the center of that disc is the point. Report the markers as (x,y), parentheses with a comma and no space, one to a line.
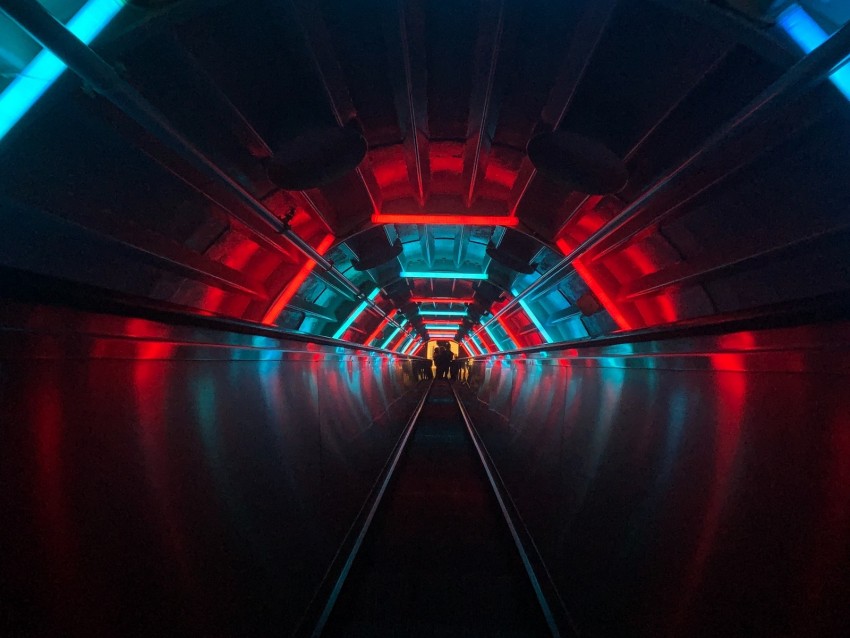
(578,162)
(316,157)
(378,256)
(509,260)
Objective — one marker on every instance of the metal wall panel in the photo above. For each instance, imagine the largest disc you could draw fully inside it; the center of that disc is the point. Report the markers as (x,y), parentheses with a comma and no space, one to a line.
(159,477)
(693,487)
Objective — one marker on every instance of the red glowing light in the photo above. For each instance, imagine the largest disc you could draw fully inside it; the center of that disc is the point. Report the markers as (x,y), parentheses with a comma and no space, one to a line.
(380,327)
(509,332)
(440,300)
(603,297)
(289,292)
(453,220)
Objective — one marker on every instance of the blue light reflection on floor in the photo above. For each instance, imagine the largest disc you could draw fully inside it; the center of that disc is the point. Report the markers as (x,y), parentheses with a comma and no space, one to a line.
(45,68)
(808,35)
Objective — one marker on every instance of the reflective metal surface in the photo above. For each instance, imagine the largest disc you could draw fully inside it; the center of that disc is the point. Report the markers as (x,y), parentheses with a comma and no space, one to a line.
(158,480)
(684,487)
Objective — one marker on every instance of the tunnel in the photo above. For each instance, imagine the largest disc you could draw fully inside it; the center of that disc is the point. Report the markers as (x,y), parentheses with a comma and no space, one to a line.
(238,238)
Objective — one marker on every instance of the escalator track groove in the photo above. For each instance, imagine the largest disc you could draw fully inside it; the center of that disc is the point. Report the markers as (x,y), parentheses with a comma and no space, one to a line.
(433,555)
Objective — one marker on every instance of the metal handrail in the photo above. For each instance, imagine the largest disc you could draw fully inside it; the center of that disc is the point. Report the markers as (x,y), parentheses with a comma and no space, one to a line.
(797,81)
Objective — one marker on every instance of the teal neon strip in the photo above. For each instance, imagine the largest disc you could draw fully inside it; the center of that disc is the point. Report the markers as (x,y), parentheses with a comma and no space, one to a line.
(470,344)
(478,344)
(534,320)
(390,338)
(353,316)
(808,35)
(405,345)
(442,275)
(499,343)
(45,68)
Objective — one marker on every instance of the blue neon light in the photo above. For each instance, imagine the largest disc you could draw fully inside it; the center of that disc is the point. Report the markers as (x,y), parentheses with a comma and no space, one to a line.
(353,316)
(405,345)
(442,275)
(535,321)
(390,338)
(809,36)
(478,343)
(45,68)
(498,342)
(443,327)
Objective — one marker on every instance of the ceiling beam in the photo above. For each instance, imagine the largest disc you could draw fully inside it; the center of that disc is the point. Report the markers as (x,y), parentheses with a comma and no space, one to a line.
(485,96)
(787,90)
(103,78)
(330,73)
(404,27)
(584,41)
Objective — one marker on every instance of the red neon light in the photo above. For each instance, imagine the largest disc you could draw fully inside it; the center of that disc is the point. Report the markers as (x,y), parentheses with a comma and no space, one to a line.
(509,332)
(440,300)
(404,336)
(292,287)
(380,327)
(601,295)
(452,220)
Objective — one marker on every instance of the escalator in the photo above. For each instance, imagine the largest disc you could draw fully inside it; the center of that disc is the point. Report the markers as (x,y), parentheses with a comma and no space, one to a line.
(438,559)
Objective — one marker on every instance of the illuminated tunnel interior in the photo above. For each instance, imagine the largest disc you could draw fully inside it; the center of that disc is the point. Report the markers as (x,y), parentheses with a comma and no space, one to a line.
(232,233)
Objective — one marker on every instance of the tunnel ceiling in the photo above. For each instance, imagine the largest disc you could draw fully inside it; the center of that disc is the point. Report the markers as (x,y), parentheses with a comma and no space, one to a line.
(446,213)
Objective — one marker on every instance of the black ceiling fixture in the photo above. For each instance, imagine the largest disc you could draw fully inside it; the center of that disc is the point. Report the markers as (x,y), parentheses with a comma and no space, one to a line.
(316,157)
(378,255)
(578,162)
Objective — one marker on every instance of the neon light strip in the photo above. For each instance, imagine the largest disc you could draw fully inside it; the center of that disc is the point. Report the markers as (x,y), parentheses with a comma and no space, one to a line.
(473,349)
(446,220)
(441,335)
(440,300)
(380,328)
(511,335)
(404,335)
(808,35)
(603,297)
(534,320)
(443,313)
(410,274)
(499,345)
(45,68)
(405,346)
(479,344)
(292,287)
(442,325)
(414,346)
(390,338)
(357,311)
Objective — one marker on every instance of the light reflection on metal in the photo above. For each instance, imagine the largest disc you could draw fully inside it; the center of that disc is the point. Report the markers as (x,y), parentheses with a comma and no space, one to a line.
(446,220)
(412,274)
(808,35)
(40,74)
(357,311)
